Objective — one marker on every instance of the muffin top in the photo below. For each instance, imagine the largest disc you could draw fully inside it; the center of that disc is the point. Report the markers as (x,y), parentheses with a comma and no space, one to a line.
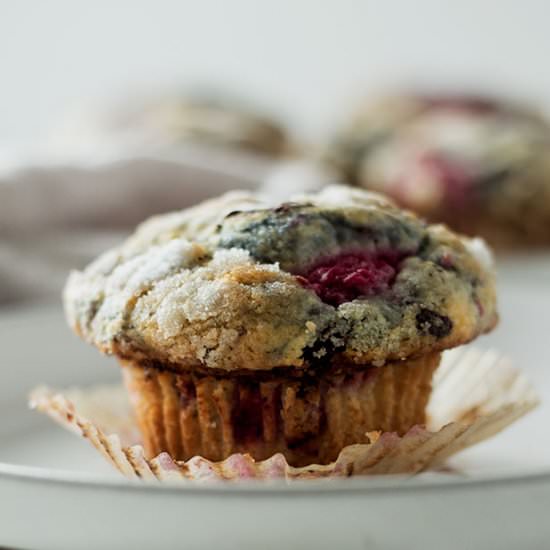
(203,118)
(238,284)
(440,155)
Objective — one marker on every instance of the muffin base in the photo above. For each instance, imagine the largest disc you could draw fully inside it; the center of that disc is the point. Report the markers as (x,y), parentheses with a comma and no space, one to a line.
(307,417)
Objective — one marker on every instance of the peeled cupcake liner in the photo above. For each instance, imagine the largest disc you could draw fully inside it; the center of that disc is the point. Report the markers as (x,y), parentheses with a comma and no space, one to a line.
(476,394)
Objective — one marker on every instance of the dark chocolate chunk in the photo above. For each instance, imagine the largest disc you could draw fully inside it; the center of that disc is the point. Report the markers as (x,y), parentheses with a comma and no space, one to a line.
(233,213)
(433,323)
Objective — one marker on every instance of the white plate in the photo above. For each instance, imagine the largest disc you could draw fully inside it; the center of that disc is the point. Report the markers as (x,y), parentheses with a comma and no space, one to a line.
(56,493)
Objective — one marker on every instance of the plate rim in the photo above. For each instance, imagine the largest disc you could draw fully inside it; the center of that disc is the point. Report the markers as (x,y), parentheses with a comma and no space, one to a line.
(392,484)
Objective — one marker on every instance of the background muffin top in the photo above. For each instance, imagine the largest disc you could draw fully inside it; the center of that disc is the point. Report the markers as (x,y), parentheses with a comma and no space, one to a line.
(238,284)
(478,164)
(211,118)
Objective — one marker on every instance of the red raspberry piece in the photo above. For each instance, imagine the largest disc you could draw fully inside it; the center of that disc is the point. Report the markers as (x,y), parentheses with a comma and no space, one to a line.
(345,277)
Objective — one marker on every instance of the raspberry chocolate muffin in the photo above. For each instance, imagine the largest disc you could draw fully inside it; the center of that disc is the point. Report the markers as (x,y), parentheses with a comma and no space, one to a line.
(480,166)
(243,327)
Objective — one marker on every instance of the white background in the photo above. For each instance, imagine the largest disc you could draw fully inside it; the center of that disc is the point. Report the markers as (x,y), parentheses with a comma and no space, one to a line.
(304,59)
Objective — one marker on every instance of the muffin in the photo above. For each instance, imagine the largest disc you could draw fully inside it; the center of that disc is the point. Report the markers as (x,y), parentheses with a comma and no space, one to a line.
(217,121)
(196,126)
(211,120)
(297,328)
(481,166)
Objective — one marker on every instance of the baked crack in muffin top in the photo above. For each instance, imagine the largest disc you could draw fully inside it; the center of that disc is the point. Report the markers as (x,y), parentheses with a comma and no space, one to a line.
(237,284)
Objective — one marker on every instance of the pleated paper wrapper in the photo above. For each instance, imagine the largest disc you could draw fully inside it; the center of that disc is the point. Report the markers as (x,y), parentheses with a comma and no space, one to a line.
(476,394)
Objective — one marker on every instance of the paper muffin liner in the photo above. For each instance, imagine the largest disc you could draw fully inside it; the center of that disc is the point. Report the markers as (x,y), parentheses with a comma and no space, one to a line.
(308,418)
(475,395)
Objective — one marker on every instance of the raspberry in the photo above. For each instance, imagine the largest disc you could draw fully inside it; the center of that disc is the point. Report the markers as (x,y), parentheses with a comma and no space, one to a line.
(454,177)
(468,104)
(345,277)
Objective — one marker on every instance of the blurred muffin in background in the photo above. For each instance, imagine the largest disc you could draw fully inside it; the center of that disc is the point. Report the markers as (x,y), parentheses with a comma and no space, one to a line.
(166,122)
(479,165)
(211,119)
